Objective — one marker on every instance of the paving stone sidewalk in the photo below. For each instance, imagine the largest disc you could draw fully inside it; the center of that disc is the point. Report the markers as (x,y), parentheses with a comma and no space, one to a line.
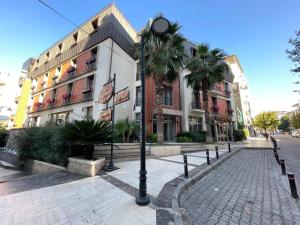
(246,189)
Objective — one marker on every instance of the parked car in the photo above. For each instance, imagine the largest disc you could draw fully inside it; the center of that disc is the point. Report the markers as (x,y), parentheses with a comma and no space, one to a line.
(296,133)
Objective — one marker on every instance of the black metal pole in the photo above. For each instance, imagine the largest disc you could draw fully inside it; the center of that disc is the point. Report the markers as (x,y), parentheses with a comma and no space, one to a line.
(207,156)
(186,172)
(293,187)
(282,164)
(143,198)
(229,147)
(217,151)
(111,166)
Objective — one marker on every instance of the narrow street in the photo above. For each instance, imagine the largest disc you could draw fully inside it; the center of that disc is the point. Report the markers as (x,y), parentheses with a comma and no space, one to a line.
(247,189)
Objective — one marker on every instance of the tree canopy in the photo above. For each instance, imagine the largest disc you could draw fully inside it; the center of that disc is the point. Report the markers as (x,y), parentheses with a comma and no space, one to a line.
(284,124)
(266,121)
(296,120)
(294,53)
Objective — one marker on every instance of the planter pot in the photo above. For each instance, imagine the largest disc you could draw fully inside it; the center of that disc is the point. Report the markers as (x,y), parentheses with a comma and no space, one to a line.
(85,167)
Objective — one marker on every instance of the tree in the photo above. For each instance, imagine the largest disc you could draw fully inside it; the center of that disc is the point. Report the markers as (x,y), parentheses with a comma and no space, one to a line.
(206,69)
(284,124)
(296,120)
(294,54)
(163,59)
(266,121)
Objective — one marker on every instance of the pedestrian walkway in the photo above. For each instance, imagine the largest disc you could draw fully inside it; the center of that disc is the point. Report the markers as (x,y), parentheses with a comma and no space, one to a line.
(246,189)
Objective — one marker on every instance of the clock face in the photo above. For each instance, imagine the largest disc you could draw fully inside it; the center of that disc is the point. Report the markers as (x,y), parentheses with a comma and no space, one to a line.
(160,25)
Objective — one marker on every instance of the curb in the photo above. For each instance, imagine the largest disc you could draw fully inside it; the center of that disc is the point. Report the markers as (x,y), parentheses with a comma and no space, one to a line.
(185,185)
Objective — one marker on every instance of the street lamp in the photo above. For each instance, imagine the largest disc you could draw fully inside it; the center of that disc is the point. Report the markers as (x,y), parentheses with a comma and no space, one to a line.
(159,26)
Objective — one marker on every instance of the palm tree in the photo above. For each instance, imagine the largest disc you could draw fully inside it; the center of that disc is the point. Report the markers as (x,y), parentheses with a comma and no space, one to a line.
(87,132)
(206,68)
(163,61)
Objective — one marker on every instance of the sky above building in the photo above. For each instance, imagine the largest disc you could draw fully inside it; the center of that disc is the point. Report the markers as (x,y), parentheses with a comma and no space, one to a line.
(257,31)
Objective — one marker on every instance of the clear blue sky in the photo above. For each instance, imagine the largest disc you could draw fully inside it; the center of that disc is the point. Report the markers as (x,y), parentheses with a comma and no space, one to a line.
(257,31)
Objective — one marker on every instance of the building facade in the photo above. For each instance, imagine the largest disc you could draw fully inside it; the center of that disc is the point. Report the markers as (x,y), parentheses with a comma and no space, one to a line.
(67,78)
(240,93)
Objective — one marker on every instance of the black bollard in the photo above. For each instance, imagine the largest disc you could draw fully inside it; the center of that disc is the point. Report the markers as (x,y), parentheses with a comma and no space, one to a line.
(229,148)
(186,171)
(293,187)
(276,157)
(217,152)
(282,164)
(207,156)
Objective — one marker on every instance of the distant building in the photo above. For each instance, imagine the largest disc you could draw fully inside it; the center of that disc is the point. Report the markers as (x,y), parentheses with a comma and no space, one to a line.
(240,93)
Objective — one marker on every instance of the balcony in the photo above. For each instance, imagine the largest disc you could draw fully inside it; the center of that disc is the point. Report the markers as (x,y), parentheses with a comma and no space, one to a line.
(228,93)
(216,90)
(215,109)
(87,94)
(67,99)
(51,103)
(71,72)
(39,106)
(138,76)
(196,107)
(91,64)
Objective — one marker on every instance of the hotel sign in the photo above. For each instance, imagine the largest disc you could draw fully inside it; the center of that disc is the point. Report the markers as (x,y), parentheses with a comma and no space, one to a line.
(121,96)
(106,115)
(106,93)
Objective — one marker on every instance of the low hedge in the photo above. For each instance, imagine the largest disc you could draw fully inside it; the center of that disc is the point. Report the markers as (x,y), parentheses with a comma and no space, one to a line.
(239,135)
(193,136)
(44,144)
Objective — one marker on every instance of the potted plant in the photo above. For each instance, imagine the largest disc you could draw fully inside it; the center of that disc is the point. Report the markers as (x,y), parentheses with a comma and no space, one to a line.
(85,133)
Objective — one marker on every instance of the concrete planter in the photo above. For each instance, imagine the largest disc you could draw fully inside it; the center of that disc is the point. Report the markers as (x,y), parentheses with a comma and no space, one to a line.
(36,166)
(85,167)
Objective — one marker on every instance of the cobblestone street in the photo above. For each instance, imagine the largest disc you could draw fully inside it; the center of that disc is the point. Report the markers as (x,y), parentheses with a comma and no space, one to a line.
(246,189)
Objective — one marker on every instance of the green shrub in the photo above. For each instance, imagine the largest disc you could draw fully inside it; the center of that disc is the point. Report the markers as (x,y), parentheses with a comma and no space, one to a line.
(194,136)
(246,132)
(239,135)
(153,138)
(183,139)
(42,143)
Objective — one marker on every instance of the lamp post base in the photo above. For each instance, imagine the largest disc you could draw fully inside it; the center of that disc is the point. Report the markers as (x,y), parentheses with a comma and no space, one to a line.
(110,168)
(145,200)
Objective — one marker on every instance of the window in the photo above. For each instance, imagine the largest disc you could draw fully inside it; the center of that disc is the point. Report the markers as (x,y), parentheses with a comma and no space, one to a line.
(195,124)
(67,96)
(228,104)
(138,71)
(226,86)
(193,51)
(59,118)
(154,124)
(75,38)
(214,100)
(59,49)
(196,101)
(138,96)
(94,54)
(47,56)
(53,95)
(89,112)
(167,95)
(74,63)
(34,121)
(95,24)
(88,91)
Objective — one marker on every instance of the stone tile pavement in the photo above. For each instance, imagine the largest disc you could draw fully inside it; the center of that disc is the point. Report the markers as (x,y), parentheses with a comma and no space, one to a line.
(246,189)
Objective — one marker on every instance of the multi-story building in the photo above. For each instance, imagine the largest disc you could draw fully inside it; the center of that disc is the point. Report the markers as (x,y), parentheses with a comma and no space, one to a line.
(68,76)
(22,97)
(240,93)
(67,79)
(220,103)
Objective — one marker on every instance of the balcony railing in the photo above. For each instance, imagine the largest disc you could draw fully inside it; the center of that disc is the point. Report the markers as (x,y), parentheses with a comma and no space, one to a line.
(138,101)
(216,88)
(138,76)
(91,64)
(51,103)
(196,105)
(39,106)
(87,94)
(67,99)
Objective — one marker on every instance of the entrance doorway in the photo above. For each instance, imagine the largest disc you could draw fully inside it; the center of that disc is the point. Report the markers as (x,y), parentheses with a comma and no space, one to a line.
(170,129)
